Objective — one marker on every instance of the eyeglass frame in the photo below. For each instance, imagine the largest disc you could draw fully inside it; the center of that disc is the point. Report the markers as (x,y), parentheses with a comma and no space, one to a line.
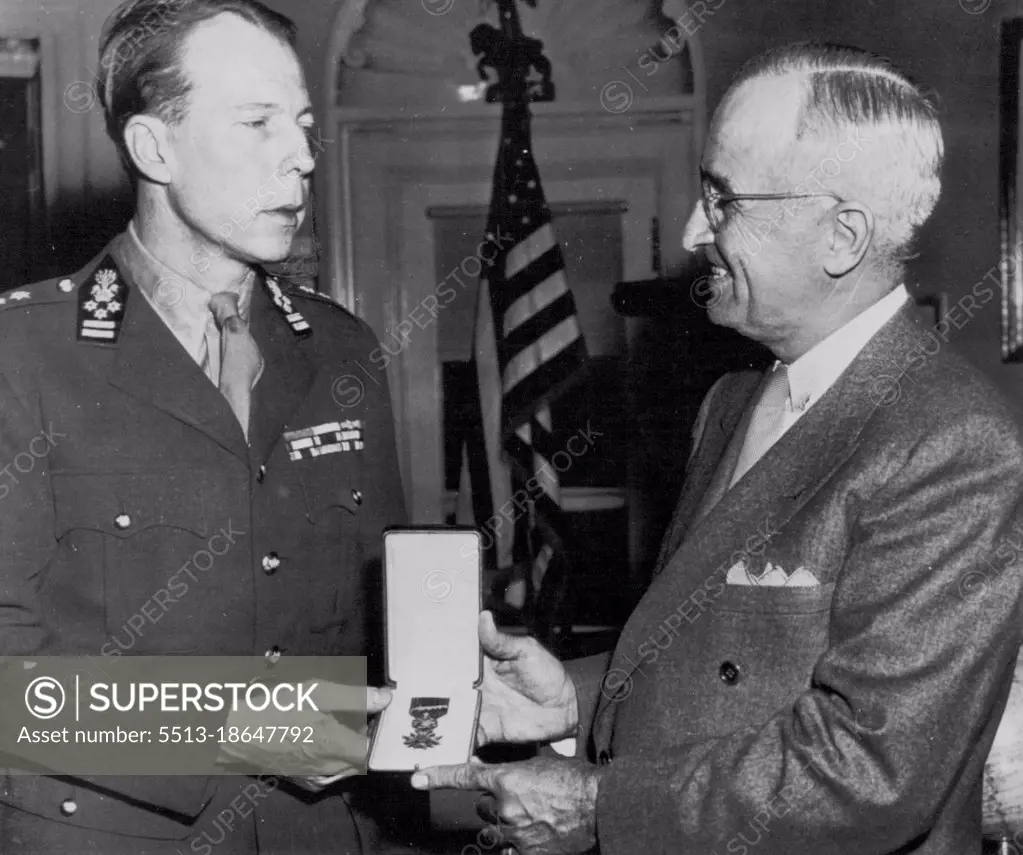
(720,199)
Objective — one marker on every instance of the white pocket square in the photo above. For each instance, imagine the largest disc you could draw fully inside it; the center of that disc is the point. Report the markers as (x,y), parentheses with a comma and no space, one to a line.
(774,576)
(802,578)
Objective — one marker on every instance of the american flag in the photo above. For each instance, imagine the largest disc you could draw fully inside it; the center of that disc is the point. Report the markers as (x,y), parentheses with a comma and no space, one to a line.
(528,347)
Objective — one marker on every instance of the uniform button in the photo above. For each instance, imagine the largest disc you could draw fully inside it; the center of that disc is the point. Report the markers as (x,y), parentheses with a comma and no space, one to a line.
(122,521)
(729,673)
(69,807)
(271,561)
(261,474)
(604,758)
(357,497)
(273,655)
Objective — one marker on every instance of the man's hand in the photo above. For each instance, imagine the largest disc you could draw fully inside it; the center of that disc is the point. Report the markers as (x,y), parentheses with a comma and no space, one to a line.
(324,748)
(550,805)
(526,694)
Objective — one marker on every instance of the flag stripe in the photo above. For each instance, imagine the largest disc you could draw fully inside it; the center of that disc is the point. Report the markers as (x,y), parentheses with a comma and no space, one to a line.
(550,520)
(549,290)
(546,383)
(514,288)
(528,360)
(543,441)
(538,435)
(547,318)
(522,254)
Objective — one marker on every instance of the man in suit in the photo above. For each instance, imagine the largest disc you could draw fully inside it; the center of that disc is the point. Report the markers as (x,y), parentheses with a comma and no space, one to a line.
(195,461)
(822,658)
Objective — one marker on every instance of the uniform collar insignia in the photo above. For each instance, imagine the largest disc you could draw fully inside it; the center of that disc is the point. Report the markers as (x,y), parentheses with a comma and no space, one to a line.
(101,303)
(282,301)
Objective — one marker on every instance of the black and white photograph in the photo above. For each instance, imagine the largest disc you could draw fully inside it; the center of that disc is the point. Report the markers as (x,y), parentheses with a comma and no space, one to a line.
(511,427)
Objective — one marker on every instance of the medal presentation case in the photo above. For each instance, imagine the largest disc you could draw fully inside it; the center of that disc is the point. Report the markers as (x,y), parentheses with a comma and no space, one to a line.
(433,594)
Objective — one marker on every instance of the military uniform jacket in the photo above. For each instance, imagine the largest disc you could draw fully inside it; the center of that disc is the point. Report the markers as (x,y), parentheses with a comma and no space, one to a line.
(135,519)
(821,663)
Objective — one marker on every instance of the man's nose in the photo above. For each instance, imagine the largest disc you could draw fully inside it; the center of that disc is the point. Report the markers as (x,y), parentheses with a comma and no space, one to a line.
(301,161)
(697,232)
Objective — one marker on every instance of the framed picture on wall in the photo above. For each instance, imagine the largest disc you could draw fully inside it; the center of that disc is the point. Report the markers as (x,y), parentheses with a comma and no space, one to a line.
(1010,216)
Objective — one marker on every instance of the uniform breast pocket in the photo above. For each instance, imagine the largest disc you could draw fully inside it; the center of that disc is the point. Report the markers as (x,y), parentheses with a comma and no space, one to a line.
(332,550)
(331,503)
(126,537)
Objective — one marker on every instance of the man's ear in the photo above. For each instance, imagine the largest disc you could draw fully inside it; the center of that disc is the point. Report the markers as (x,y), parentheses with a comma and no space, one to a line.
(849,239)
(147,140)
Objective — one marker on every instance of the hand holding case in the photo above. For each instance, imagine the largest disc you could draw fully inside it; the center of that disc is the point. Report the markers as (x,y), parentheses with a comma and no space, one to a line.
(433,594)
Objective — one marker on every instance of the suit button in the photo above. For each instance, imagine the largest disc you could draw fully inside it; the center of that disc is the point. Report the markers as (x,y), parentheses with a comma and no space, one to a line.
(271,562)
(69,807)
(729,673)
(122,521)
(604,758)
(273,655)
(357,497)
(261,475)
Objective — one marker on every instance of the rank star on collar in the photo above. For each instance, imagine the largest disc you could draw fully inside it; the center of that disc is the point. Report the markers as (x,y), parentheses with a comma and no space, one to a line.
(295,320)
(329,438)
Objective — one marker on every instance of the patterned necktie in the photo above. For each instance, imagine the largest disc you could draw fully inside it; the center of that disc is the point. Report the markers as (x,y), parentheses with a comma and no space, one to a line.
(240,360)
(766,423)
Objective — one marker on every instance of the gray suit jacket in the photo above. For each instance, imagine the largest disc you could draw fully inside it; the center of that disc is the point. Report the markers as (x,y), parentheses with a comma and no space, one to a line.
(849,716)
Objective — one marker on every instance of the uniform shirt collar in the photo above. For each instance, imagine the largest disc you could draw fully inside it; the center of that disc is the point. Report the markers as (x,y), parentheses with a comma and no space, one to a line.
(181,303)
(816,371)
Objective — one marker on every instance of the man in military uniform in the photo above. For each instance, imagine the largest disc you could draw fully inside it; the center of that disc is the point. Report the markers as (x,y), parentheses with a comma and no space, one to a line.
(197,462)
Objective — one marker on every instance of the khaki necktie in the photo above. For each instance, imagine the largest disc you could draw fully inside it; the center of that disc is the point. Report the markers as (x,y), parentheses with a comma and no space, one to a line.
(240,360)
(767,422)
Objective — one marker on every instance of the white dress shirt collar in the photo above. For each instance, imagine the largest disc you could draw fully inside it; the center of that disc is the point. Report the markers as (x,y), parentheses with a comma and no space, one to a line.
(816,371)
(180,302)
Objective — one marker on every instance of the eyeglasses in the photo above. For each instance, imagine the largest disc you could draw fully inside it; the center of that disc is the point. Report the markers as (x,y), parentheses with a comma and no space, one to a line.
(714,201)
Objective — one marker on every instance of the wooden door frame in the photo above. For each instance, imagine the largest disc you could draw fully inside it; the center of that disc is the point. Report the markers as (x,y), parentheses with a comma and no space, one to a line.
(400,160)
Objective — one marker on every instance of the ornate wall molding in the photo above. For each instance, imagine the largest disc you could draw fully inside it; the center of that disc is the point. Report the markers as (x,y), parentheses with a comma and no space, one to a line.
(350,19)
(414,57)
(679,13)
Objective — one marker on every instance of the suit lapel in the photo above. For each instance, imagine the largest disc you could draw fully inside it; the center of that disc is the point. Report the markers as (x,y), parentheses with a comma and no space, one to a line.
(722,423)
(287,374)
(152,366)
(773,490)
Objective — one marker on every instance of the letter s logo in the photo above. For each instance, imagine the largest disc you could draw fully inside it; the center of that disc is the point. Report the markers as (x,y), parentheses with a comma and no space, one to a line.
(45,698)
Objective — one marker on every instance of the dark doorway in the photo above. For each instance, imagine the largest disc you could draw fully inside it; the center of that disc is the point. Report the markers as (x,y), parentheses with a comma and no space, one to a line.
(22,208)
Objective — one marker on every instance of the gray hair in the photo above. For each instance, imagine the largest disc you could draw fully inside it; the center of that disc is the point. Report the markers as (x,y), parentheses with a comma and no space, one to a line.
(852,91)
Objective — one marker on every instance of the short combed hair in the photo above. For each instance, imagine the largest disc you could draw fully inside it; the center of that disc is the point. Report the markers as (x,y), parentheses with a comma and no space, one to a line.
(140,53)
(851,90)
